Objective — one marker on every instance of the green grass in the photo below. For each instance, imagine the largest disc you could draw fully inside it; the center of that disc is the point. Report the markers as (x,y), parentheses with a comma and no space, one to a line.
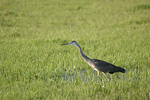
(33,65)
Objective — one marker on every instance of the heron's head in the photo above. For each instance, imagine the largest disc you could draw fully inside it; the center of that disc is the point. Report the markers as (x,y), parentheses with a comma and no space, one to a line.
(71,43)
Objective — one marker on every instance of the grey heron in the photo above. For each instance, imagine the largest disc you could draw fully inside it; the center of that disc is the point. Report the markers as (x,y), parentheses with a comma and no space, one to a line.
(98,65)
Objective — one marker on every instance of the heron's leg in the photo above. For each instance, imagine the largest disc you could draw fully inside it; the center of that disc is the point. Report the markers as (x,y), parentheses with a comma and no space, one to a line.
(97,73)
(106,75)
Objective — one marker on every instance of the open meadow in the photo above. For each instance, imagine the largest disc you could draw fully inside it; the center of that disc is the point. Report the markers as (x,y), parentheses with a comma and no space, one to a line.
(34,65)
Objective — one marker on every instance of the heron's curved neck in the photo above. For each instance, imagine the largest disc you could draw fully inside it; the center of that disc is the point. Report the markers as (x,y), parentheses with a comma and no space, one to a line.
(83,55)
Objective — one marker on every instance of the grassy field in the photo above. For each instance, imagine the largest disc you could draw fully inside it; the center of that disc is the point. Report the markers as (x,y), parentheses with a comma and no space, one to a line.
(33,65)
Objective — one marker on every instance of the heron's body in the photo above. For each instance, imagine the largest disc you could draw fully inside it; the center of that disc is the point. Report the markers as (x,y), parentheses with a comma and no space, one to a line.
(98,65)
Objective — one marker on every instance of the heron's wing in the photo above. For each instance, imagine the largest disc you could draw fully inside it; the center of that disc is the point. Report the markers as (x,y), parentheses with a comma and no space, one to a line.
(102,63)
(104,66)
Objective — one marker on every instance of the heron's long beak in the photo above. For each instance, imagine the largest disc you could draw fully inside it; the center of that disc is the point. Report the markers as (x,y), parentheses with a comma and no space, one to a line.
(65,44)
